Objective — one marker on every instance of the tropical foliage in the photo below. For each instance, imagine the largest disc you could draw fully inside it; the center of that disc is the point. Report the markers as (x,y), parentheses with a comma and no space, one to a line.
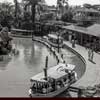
(68,16)
(6,14)
(28,19)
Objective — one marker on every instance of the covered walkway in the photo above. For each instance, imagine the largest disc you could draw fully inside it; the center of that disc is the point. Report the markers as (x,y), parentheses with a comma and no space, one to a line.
(84,36)
(93,30)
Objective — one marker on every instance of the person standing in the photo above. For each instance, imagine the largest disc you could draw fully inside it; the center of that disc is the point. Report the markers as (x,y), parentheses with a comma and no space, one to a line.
(73,43)
(92,54)
(70,38)
(62,56)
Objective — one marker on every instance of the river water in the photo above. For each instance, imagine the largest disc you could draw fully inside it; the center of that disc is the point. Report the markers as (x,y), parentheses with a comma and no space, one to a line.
(15,72)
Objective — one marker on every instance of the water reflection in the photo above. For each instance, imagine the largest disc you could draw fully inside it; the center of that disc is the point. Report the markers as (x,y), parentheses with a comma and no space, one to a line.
(3,64)
(32,54)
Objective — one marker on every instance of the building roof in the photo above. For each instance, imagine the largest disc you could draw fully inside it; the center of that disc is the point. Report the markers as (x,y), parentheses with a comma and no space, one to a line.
(93,30)
(55,72)
(58,22)
(54,36)
(87,10)
(76,28)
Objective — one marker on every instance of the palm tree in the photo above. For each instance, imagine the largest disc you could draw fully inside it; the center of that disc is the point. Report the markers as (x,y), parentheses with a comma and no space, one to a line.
(16,7)
(6,13)
(33,4)
(17,13)
(61,5)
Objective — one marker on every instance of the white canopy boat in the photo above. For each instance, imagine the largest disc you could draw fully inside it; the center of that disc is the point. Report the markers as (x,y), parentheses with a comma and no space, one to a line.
(53,81)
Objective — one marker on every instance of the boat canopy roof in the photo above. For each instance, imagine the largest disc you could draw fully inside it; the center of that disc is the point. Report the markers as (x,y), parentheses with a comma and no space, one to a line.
(55,72)
(54,36)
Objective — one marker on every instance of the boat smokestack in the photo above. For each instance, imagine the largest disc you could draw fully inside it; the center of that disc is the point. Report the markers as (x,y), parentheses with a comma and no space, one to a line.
(46,63)
(45,69)
(45,73)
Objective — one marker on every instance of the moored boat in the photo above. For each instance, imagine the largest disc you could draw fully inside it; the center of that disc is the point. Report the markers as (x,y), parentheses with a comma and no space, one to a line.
(53,81)
(55,41)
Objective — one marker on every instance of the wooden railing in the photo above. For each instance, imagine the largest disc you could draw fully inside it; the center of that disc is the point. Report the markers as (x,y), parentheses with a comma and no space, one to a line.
(21,32)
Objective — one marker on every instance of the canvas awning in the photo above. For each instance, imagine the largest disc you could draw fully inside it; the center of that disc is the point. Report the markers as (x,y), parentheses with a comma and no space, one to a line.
(94,30)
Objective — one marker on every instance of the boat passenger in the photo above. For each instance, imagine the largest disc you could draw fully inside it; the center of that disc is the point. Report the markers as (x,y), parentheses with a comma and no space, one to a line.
(58,85)
(34,87)
(66,70)
(65,81)
(53,86)
(64,62)
(69,75)
(44,90)
(75,74)
(50,88)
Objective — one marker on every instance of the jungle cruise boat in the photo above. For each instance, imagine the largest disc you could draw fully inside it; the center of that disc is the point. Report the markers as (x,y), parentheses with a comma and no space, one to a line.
(53,81)
(55,41)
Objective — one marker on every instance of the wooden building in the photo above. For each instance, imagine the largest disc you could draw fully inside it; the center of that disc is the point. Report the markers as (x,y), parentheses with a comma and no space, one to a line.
(85,15)
(84,35)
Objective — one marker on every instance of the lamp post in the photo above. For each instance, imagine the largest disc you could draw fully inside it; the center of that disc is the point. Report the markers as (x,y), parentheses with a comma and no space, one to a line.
(58,42)
(45,69)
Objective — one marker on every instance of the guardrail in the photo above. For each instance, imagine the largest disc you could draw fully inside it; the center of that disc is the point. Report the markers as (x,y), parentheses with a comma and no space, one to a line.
(21,32)
(44,41)
(75,52)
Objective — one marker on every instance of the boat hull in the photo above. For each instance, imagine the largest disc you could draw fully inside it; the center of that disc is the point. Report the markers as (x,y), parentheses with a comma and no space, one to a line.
(62,87)
(51,94)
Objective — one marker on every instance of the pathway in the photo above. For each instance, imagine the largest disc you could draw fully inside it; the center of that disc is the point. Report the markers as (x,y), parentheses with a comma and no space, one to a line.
(91,76)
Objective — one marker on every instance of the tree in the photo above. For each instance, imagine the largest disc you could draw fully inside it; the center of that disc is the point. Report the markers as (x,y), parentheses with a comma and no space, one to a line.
(87,5)
(17,8)
(6,14)
(33,4)
(62,6)
(17,13)
(68,16)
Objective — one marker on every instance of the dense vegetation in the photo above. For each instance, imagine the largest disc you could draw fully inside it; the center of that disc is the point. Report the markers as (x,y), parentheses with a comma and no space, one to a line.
(18,16)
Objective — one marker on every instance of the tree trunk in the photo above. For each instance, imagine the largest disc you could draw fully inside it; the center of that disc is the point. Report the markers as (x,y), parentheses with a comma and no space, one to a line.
(16,9)
(33,15)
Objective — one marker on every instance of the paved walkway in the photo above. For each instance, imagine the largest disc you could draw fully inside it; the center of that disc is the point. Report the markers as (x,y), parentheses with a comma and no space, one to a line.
(92,74)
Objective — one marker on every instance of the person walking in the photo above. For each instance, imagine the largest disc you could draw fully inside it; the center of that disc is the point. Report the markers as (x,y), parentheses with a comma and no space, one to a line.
(89,53)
